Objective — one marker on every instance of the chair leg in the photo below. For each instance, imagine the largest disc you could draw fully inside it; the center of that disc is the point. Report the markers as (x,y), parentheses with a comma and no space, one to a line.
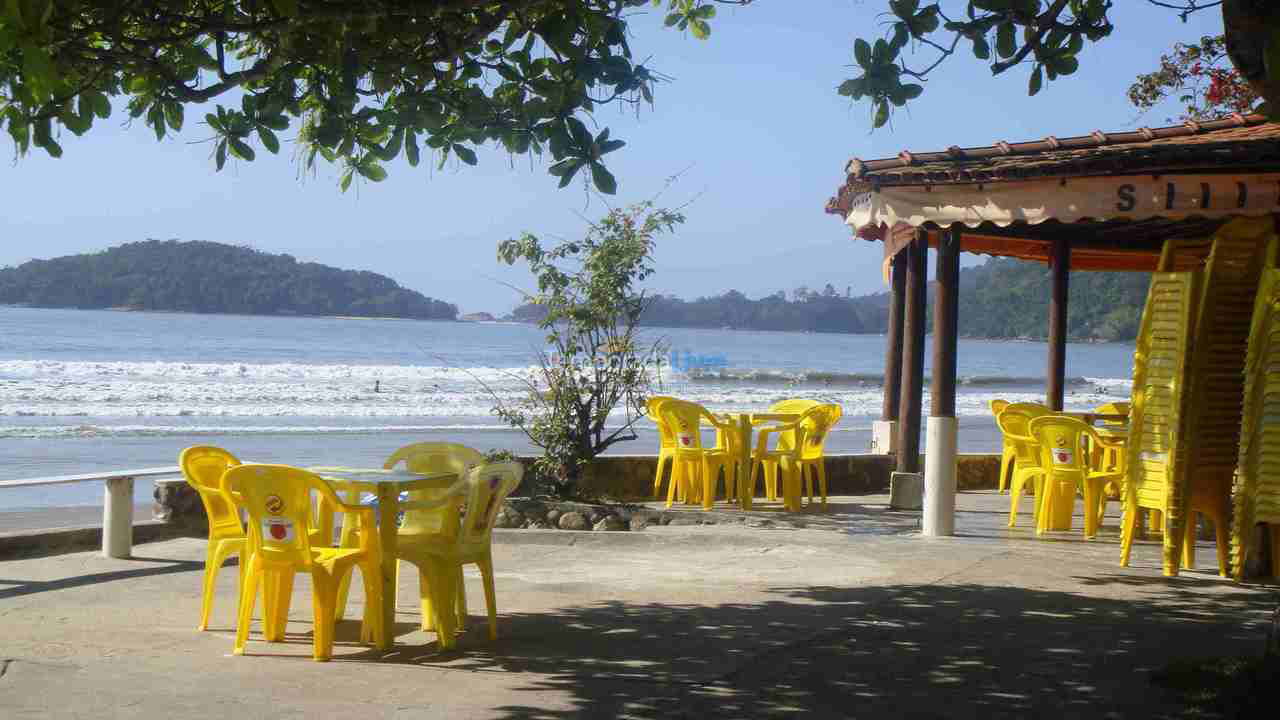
(460,607)
(1091,490)
(1015,494)
(821,466)
(657,475)
(1189,541)
(708,483)
(770,479)
(1224,545)
(248,599)
(281,600)
(1127,528)
(440,587)
(211,565)
(1006,469)
(677,477)
(324,593)
(490,596)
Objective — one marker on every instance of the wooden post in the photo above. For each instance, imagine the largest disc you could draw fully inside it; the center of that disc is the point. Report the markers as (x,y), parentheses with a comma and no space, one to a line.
(893,339)
(1060,267)
(939,505)
(917,271)
(945,333)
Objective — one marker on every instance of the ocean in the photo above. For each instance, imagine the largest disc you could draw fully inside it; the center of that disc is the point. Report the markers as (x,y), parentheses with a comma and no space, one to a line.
(87,391)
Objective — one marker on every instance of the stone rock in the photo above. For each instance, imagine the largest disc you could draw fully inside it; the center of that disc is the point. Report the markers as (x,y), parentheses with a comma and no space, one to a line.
(553,517)
(537,525)
(535,513)
(574,521)
(685,519)
(508,518)
(638,522)
(595,515)
(612,523)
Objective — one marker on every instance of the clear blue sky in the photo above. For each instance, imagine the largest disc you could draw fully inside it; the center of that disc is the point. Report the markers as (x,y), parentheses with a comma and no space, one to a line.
(752,119)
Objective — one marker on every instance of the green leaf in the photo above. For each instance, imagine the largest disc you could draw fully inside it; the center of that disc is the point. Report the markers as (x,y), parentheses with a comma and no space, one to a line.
(214,122)
(268,139)
(101,105)
(603,179)
(174,115)
(579,132)
(700,29)
(981,49)
(371,170)
(911,91)
(1006,43)
(611,145)
(346,180)
(287,8)
(220,157)
(465,154)
(411,150)
(1037,80)
(862,52)
(240,149)
(882,114)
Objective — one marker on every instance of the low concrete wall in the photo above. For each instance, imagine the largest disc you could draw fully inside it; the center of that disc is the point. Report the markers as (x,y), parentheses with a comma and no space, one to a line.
(629,478)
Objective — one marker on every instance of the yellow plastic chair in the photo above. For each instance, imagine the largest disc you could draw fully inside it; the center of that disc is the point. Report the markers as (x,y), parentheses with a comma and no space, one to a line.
(440,557)
(443,520)
(792,406)
(666,440)
(278,501)
(1256,494)
(1007,454)
(1014,422)
(202,467)
(798,456)
(1064,459)
(695,468)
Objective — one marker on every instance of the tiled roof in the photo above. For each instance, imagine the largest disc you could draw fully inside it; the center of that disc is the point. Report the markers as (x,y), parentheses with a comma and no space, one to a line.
(1240,143)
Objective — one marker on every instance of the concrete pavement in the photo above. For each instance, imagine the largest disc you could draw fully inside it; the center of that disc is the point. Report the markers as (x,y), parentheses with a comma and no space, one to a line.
(852,615)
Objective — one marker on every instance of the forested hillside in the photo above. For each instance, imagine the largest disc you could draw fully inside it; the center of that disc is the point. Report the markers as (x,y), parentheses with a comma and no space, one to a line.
(1006,298)
(211,277)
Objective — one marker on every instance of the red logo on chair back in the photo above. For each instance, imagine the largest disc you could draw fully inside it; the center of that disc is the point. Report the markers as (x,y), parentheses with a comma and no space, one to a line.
(1063,456)
(277,531)
(686,439)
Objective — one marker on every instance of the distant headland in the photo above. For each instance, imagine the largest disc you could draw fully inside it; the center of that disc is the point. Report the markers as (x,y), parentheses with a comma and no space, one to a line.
(209,277)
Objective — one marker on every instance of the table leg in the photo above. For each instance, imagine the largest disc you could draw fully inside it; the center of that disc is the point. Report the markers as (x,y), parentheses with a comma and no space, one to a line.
(746,489)
(388,508)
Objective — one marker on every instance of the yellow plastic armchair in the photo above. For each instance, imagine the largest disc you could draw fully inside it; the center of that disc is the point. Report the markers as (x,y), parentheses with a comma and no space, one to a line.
(786,439)
(666,440)
(815,432)
(440,559)
(1013,422)
(787,458)
(278,501)
(1007,454)
(1064,458)
(202,467)
(442,518)
(695,468)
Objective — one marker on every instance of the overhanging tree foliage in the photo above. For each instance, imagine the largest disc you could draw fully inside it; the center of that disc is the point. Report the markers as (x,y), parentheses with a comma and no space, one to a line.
(1046,35)
(362,81)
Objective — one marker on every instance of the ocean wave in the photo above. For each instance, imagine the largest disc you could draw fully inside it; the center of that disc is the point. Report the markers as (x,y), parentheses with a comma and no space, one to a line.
(839,379)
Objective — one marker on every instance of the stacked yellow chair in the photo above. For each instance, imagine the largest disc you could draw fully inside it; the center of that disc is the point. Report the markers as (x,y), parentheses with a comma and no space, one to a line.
(278,499)
(695,468)
(1014,421)
(1063,442)
(203,467)
(440,557)
(759,460)
(1186,414)
(1256,493)
(1007,454)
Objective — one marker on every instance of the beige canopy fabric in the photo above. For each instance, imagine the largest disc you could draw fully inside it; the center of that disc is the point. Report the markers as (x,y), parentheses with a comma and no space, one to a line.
(1068,200)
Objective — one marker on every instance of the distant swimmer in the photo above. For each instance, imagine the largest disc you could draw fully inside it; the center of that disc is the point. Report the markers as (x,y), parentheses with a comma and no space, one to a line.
(377,386)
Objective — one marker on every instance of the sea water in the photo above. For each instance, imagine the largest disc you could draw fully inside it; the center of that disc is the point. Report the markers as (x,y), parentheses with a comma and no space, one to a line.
(88,391)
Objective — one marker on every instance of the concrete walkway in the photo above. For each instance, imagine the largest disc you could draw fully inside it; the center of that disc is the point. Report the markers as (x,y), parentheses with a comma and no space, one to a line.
(851,616)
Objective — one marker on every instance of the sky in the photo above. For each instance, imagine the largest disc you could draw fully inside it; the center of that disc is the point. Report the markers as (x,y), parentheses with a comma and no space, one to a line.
(750,123)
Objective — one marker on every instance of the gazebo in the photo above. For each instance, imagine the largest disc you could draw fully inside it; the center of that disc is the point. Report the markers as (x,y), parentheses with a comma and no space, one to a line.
(1102,201)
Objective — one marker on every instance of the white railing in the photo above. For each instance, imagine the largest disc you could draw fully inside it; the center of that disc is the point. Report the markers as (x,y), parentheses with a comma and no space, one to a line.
(117,502)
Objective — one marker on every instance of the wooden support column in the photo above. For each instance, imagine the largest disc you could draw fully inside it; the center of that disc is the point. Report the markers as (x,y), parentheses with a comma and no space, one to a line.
(1060,267)
(917,270)
(939,504)
(893,339)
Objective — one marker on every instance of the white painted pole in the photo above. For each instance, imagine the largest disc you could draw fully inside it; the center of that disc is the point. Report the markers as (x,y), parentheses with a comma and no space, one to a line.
(940,477)
(117,518)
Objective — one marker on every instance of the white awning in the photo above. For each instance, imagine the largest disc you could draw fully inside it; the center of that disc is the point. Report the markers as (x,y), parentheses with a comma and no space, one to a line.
(1131,197)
